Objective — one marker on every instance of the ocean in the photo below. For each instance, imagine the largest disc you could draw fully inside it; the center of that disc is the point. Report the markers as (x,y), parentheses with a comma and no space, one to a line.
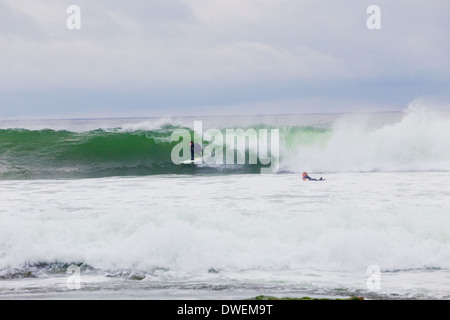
(96,209)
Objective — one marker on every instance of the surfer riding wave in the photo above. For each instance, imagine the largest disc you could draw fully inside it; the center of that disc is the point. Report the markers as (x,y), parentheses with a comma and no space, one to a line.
(195,149)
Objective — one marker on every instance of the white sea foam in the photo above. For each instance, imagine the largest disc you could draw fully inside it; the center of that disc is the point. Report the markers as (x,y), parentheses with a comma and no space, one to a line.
(397,221)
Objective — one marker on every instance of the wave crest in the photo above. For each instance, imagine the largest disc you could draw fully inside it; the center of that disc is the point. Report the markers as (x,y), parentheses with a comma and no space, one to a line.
(418,140)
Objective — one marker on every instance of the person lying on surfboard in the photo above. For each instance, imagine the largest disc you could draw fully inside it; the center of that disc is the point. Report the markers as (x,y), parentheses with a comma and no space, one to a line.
(306,177)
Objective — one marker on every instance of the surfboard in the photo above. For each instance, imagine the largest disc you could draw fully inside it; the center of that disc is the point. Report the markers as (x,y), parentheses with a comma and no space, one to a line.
(191,161)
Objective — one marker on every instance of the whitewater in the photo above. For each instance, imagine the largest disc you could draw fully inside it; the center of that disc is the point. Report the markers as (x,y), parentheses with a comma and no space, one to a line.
(103,196)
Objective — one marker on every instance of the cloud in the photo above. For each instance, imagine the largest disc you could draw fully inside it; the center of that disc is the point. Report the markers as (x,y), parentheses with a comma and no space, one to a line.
(15,23)
(238,52)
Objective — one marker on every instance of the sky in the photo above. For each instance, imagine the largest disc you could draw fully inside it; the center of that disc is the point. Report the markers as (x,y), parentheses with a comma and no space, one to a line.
(145,58)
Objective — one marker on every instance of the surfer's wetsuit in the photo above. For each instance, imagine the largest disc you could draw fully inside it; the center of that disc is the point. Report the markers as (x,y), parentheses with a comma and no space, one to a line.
(192,150)
(311,179)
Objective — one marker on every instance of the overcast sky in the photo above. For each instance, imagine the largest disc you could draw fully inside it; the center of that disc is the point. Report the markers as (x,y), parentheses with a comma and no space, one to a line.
(212,57)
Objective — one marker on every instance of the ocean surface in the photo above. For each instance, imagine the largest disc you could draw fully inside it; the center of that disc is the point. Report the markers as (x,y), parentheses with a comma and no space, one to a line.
(96,209)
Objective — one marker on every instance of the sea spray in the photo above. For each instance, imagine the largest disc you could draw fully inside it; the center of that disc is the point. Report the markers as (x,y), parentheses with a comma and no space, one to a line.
(419,141)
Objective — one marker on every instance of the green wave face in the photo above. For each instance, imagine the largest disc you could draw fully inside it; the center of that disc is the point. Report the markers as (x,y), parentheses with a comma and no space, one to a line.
(41,154)
(65,154)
